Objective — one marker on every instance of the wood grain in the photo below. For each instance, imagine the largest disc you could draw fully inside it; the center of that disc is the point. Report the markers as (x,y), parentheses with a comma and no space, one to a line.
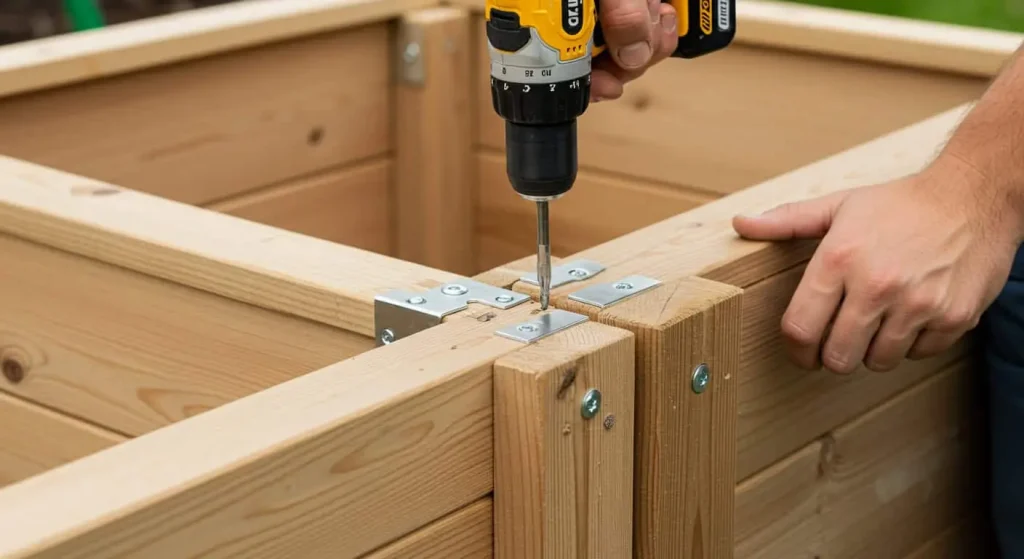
(249,262)
(213,128)
(34,439)
(433,123)
(563,484)
(349,206)
(134,353)
(467,533)
(686,441)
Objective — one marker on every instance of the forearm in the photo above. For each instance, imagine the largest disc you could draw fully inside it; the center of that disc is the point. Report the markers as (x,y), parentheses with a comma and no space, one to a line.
(988,146)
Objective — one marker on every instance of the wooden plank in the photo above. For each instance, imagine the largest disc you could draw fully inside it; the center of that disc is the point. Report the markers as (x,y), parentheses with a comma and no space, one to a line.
(782,407)
(349,206)
(599,208)
(966,539)
(433,124)
(686,441)
(249,262)
(902,474)
(754,113)
(777,511)
(467,533)
(563,482)
(132,352)
(34,439)
(316,465)
(210,129)
(132,46)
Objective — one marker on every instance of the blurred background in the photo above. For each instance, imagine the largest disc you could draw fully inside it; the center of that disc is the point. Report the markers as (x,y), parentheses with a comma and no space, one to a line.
(21,20)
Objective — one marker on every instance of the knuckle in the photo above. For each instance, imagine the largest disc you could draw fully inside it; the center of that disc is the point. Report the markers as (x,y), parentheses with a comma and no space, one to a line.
(920,303)
(626,19)
(881,284)
(957,317)
(797,333)
(838,257)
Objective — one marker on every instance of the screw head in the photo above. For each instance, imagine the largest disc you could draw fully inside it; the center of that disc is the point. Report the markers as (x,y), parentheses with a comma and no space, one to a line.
(591,403)
(417,300)
(701,378)
(578,273)
(387,336)
(624,285)
(411,52)
(527,328)
(454,289)
(504,298)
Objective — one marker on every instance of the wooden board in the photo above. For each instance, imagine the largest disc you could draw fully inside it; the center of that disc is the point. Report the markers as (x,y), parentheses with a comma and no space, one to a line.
(467,533)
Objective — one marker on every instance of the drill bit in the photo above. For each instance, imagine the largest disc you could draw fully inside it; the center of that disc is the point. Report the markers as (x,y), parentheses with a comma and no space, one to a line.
(543,254)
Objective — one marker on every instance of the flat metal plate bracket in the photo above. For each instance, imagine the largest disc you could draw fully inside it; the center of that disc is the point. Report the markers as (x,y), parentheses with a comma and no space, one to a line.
(577,270)
(399,313)
(541,327)
(603,295)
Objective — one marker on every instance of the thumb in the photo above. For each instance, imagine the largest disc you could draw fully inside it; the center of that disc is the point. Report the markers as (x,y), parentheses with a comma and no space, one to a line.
(794,220)
(628,27)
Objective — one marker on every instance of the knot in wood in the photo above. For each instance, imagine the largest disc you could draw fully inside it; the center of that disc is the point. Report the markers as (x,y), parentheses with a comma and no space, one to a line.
(13,370)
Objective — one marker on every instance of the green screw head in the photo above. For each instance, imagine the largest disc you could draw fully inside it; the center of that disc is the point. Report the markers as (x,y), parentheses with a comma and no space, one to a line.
(701,378)
(591,403)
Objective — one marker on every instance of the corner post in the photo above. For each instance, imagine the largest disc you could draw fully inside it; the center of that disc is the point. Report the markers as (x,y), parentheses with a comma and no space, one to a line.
(564,453)
(434,205)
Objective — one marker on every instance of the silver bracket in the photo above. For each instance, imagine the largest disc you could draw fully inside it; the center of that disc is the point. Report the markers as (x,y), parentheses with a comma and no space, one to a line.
(411,66)
(542,326)
(577,270)
(603,295)
(399,313)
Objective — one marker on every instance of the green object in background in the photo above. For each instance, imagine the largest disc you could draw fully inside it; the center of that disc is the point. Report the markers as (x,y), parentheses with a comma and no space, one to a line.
(1007,15)
(84,14)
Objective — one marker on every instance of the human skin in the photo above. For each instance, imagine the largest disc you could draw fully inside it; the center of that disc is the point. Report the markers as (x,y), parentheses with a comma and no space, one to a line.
(638,35)
(905,268)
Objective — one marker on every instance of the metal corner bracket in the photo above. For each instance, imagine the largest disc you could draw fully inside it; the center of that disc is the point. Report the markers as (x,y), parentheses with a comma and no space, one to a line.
(410,63)
(603,295)
(577,270)
(543,326)
(399,313)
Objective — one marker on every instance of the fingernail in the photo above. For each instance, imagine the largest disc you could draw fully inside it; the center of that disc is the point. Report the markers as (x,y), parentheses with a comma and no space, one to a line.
(668,22)
(635,55)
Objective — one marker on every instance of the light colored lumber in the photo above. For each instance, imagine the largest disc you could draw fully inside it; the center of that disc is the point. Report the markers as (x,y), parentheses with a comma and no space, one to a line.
(467,533)
(777,511)
(132,352)
(783,407)
(749,114)
(35,439)
(231,257)
(337,462)
(874,37)
(563,483)
(209,129)
(349,206)
(137,45)
(685,460)
(599,208)
(433,127)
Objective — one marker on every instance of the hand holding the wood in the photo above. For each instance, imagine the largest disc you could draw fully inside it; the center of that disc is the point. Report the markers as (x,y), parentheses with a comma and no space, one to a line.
(903,270)
(639,34)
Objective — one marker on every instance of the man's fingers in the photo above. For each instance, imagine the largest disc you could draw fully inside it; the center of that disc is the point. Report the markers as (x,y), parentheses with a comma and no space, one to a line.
(892,343)
(811,310)
(795,220)
(608,78)
(628,31)
(933,342)
(668,26)
(855,325)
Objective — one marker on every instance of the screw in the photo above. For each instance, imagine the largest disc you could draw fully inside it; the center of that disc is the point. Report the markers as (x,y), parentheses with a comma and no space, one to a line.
(591,403)
(701,378)
(411,53)
(527,328)
(387,336)
(454,289)
(417,300)
(624,285)
(578,273)
(609,421)
(503,298)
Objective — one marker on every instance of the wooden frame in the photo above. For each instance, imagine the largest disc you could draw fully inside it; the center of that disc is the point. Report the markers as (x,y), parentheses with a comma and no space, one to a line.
(241,182)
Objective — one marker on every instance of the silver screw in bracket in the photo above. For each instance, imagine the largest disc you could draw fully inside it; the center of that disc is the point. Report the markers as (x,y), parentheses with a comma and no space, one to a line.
(624,286)
(387,336)
(578,273)
(454,289)
(527,328)
(411,53)
(701,378)
(417,300)
(591,403)
(503,298)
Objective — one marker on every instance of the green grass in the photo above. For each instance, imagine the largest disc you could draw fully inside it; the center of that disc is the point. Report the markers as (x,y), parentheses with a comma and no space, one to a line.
(1007,15)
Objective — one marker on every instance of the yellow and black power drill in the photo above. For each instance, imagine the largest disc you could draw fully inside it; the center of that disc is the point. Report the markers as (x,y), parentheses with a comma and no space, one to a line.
(541,53)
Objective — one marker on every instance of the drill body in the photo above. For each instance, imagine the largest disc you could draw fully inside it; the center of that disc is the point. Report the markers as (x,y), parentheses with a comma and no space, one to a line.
(541,54)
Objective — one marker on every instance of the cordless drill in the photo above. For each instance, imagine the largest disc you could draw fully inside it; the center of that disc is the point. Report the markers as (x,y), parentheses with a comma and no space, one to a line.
(541,53)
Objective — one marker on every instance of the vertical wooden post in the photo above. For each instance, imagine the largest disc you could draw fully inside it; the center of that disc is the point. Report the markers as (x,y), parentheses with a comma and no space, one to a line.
(563,475)
(433,192)
(685,459)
